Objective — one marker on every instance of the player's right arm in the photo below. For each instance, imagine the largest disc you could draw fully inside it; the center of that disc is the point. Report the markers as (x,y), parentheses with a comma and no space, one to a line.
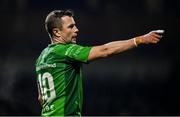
(116,47)
(39,95)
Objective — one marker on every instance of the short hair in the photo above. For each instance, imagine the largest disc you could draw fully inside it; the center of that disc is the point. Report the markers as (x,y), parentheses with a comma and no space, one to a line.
(53,19)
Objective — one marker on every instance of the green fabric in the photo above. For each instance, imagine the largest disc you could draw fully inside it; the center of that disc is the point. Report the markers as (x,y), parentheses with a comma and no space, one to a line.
(59,77)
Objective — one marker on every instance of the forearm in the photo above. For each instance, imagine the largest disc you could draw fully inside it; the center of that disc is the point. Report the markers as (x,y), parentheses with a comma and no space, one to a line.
(39,94)
(120,46)
(116,47)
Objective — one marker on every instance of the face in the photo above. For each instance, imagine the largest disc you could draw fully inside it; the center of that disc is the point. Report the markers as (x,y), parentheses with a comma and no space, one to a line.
(69,30)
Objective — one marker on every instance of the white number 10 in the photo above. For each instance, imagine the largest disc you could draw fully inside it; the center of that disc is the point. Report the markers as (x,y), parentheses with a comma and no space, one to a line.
(46,85)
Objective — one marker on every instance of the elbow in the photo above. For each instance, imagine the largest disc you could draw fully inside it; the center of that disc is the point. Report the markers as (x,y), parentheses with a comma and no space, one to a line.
(106,52)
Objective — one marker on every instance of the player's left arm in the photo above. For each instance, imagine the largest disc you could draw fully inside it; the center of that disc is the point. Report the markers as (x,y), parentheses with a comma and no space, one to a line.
(116,47)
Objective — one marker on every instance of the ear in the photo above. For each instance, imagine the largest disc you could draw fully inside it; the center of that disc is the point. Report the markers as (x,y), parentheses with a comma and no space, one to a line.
(56,32)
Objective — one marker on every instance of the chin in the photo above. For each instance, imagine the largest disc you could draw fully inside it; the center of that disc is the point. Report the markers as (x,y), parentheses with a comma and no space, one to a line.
(73,41)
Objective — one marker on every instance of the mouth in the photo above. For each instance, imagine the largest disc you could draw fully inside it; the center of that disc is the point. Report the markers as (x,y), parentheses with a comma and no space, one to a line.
(74,37)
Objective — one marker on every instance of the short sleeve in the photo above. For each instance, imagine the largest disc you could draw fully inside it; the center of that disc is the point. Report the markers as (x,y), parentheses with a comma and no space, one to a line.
(77,52)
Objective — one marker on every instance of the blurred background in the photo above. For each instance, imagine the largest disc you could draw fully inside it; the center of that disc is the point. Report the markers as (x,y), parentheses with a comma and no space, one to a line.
(141,81)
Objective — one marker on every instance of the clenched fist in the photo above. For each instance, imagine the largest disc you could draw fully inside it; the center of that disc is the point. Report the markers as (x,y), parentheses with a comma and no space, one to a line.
(152,37)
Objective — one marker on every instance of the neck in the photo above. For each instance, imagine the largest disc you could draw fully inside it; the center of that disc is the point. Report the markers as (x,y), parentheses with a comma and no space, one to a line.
(58,40)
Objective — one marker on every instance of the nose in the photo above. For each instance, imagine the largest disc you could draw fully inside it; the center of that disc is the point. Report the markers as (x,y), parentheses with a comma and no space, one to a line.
(76,29)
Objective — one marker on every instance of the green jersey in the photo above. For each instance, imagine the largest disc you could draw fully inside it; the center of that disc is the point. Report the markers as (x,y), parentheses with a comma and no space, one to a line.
(59,76)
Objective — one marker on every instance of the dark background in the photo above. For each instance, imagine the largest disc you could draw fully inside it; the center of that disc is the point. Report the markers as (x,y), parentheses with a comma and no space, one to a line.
(141,81)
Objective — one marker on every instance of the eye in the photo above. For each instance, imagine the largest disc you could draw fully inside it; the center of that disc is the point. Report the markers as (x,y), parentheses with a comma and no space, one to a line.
(71,26)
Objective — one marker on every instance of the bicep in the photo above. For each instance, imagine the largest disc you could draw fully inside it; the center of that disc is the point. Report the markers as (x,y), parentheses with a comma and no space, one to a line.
(78,53)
